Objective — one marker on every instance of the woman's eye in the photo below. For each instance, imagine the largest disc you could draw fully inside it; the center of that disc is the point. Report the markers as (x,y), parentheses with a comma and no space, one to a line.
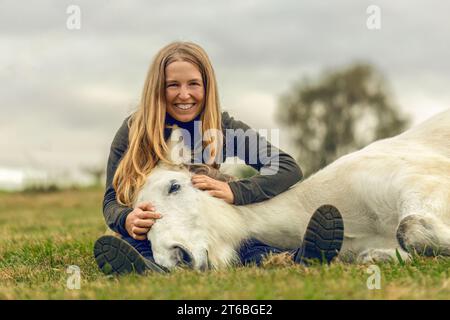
(174,187)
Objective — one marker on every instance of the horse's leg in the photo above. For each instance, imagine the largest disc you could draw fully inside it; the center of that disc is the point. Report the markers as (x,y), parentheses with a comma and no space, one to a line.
(382,255)
(424,220)
(424,234)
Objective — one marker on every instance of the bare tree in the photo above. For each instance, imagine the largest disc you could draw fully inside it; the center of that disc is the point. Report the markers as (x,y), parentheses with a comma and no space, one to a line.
(339,112)
(96,172)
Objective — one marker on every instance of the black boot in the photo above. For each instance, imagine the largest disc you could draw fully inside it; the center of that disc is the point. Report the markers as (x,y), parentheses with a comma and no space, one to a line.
(116,256)
(323,237)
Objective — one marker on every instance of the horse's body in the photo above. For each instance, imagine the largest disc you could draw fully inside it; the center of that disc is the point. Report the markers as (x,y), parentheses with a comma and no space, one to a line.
(392,194)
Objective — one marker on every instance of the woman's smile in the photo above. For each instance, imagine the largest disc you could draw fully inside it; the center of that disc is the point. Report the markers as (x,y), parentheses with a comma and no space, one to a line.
(184,106)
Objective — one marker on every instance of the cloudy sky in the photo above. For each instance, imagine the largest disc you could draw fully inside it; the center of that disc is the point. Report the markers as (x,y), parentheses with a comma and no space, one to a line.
(64,93)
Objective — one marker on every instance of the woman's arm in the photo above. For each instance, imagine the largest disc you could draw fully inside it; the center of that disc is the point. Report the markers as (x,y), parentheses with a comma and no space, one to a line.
(134,222)
(114,213)
(278,170)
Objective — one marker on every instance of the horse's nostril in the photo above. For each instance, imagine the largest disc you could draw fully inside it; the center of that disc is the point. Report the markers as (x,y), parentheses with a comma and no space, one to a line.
(184,256)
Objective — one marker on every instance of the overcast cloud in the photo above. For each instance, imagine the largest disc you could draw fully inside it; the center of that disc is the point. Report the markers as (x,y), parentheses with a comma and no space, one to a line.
(64,93)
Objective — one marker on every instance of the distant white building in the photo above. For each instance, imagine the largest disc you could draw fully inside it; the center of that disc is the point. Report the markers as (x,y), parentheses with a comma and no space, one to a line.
(17,179)
(14,179)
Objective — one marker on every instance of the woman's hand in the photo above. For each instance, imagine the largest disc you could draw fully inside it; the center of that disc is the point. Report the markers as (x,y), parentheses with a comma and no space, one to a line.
(216,188)
(140,220)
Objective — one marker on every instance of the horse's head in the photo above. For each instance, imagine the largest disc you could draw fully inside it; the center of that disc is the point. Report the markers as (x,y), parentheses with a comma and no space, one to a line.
(181,235)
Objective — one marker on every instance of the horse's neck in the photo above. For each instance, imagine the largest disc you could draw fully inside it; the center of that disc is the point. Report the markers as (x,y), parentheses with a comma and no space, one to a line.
(282,220)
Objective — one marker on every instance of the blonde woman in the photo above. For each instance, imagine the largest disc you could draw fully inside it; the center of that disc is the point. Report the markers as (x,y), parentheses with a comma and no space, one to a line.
(180,89)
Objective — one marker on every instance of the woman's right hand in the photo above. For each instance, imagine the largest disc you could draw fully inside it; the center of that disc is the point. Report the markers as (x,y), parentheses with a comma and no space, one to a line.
(140,220)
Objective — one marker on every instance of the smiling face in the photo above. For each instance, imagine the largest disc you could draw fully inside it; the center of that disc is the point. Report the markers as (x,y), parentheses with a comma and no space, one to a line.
(184,90)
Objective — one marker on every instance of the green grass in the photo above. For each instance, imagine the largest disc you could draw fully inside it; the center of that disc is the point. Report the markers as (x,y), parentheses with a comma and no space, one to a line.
(41,234)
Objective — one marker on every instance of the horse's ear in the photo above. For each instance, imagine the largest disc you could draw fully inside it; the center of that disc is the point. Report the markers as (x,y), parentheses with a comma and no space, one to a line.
(210,172)
(198,169)
(177,152)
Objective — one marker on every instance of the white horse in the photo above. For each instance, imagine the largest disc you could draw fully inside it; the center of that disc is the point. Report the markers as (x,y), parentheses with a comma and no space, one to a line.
(393,195)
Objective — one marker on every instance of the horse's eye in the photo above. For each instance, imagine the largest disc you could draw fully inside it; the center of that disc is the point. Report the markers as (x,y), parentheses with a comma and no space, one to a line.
(174,187)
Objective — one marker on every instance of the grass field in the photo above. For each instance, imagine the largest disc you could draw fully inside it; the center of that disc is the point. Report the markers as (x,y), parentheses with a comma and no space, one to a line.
(41,234)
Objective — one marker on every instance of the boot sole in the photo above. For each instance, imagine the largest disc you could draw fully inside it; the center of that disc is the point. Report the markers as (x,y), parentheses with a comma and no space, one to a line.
(323,237)
(116,256)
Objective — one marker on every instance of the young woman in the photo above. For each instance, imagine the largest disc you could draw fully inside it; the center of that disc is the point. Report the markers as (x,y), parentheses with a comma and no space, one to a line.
(180,89)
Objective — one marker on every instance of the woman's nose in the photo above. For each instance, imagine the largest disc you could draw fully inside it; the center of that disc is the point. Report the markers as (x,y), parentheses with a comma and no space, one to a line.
(184,93)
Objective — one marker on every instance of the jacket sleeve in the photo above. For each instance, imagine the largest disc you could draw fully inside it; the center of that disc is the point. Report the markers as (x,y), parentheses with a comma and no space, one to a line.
(114,213)
(278,171)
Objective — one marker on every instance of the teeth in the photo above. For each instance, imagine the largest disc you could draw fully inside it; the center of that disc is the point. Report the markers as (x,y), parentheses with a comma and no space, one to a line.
(185,106)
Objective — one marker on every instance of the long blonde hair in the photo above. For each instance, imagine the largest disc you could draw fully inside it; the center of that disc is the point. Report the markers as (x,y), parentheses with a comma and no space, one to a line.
(146,125)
